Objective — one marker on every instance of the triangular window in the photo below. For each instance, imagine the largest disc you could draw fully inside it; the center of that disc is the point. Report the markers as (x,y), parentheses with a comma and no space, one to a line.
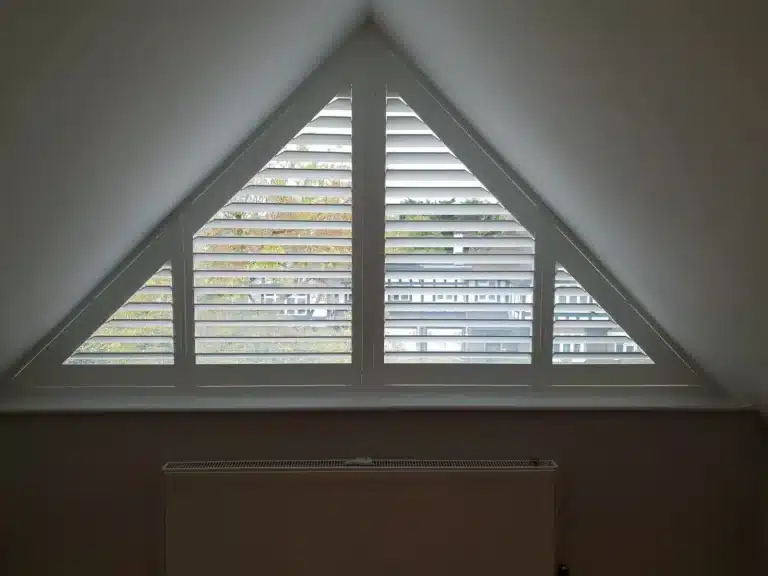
(584,333)
(139,332)
(364,241)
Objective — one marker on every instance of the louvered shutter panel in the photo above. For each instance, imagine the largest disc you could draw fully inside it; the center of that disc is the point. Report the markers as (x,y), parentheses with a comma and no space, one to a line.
(584,333)
(459,266)
(140,332)
(273,268)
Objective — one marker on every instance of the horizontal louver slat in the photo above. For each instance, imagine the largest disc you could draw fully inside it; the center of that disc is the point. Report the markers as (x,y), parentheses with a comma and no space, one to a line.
(425,176)
(439,357)
(395,107)
(440,307)
(415,159)
(564,326)
(127,339)
(138,323)
(268,290)
(446,210)
(323,140)
(270,323)
(608,339)
(406,124)
(158,307)
(322,123)
(605,358)
(282,208)
(338,105)
(263,257)
(421,141)
(435,274)
(460,339)
(459,267)
(305,174)
(239,224)
(311,156)
(204,276)
(461,259)
(201,242)
(455,194)
(288,306)
(454,226)
(272,358)
(107,358)
(492,323)
(273,268)
(454,242)
(252,191)
(454,290)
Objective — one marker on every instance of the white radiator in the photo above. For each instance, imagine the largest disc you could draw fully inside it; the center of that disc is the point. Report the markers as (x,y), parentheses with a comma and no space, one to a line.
(360,517)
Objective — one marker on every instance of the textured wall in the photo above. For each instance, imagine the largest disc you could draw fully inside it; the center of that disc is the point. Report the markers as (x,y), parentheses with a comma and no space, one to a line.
(642,493)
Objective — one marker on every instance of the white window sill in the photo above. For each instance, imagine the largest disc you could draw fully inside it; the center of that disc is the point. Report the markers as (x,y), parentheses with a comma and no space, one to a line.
(219,399)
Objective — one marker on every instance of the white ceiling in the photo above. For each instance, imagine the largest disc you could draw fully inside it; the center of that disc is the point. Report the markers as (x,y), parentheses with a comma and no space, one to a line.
(113,112)
(643,124)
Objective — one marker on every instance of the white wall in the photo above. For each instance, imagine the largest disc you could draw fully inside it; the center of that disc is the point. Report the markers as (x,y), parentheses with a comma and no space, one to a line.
(113,111)
(643,124)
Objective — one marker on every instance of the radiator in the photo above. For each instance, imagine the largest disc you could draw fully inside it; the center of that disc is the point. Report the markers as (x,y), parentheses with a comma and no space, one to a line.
(360,517)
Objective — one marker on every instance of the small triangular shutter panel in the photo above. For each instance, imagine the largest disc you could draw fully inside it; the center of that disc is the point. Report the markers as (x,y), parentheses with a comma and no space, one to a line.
(273,268)
(139,332)
(459,266)
(584,333)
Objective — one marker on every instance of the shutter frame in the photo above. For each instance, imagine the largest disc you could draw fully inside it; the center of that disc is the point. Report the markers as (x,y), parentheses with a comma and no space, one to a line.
(366,53)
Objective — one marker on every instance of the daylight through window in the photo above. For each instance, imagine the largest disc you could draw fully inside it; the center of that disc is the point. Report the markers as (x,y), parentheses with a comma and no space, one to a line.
(459,266)
(273,268)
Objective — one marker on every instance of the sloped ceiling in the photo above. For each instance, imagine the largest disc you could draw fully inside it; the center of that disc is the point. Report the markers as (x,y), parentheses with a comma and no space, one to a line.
(112,111)
(643,124)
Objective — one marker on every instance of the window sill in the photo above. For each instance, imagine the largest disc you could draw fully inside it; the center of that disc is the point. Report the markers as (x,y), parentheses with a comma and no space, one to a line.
(287,398)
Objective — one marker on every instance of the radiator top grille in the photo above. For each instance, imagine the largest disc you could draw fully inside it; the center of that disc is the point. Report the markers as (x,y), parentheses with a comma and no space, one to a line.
(357,463)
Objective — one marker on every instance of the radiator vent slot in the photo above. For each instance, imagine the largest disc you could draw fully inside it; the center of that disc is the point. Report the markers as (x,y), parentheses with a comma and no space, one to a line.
(356,463)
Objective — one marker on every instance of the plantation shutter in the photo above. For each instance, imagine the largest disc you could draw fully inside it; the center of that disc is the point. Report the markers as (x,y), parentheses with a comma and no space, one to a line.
(458,265)
(273,268)
(584,333)
(140,332)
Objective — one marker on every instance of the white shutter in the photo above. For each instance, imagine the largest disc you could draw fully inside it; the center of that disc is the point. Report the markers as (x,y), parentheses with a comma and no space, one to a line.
(458,265)
(442,289)
(273,268)
(584,333)
(140,332)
